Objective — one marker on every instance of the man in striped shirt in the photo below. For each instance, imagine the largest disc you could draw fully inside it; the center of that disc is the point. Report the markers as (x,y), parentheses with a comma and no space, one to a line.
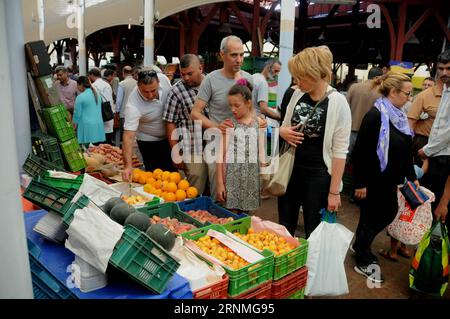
(182,132)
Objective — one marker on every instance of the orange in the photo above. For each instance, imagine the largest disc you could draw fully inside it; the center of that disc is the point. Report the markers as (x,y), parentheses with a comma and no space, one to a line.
(180,195)
(157,184)
(192,192)
(142,179)
(165,175)
(147,188)
(183,184)
(169,197)
(157,173)
(175,177)
(157,192)
(171,187)
(150,180)
(149,174)
(136,174)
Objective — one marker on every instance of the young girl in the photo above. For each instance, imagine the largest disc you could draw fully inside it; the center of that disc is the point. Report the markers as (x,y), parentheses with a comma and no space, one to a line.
(238,175)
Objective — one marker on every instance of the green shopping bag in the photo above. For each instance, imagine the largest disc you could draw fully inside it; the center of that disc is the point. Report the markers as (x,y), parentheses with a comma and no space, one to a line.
(429,268)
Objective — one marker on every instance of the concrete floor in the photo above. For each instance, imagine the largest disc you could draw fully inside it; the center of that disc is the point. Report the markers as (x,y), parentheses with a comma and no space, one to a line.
(395,274)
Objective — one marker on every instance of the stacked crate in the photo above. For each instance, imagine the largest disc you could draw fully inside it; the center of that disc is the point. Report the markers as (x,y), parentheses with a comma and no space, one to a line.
(54,112)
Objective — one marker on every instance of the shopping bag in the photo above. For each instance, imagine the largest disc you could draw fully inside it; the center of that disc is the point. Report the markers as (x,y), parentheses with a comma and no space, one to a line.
(327,248)
(410,225)
(413,195)
(429,268)
(276,184)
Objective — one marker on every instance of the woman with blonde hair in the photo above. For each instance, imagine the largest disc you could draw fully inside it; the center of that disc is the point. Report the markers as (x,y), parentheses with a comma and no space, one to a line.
(382,158)
(321,149)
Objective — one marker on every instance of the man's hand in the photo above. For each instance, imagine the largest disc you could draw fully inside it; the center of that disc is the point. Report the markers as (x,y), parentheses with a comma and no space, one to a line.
(291,136)
(180,166)
(226,124)
(361,193)
(126,174)
(221,194)
(441,211)
(422,154)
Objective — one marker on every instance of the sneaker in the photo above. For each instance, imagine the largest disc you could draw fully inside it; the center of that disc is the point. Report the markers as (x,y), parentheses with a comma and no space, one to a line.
(369,272)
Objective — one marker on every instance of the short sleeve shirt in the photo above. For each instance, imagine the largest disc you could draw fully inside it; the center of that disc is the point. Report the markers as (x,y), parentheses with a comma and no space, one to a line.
(427,102)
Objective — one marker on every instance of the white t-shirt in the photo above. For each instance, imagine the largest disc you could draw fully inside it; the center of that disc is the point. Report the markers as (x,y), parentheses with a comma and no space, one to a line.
(104,91)
(260,91)
(145,117)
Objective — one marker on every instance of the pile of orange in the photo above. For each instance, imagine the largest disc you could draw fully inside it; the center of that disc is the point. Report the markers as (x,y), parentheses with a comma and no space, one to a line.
(165,184)
(267,240)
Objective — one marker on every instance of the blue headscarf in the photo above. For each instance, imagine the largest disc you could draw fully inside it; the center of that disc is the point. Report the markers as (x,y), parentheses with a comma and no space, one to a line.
(389,113)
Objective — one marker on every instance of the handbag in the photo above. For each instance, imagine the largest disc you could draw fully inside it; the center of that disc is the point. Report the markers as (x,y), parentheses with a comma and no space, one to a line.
(276,184)
(107,112)
(413,195)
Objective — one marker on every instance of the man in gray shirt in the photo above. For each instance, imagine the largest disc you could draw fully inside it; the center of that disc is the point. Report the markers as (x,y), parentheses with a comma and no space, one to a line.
(213,93)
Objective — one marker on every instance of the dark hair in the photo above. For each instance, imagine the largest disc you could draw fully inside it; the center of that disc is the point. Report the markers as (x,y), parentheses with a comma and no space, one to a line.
(147,76)
(374,72)
(429,79)
(84,81)
(95,72)
(187,59)
(444,57)
(242,87)
(108,72)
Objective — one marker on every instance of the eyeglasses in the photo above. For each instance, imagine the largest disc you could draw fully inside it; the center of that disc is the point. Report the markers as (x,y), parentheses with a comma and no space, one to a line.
(147,74)
(406,93)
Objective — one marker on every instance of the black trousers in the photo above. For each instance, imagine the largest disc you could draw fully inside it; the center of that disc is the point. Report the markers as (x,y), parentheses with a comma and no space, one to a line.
(435,178)
(377,211)
(156,155)
(109,138)
(308,187)
(419,141)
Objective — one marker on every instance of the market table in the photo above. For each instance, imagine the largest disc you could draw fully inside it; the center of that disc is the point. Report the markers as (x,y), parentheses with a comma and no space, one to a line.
(56,259)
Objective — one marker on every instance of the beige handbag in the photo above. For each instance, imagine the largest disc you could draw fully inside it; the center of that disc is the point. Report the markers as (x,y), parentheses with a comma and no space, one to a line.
(276,183)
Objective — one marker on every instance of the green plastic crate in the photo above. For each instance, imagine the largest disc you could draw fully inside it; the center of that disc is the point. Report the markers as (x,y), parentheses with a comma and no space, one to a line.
(36,166)
(73,155)
(81,203)
(283,264)
(63,183)
(299,294)
(57,124)
(144,260)
(48,197)
(169,210)
(46,147)
(246,278)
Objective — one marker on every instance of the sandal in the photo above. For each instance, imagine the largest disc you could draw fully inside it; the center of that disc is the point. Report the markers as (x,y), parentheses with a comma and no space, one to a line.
(404,253)
(387,254)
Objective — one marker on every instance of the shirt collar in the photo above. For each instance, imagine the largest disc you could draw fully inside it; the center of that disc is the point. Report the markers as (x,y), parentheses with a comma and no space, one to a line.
(436,91)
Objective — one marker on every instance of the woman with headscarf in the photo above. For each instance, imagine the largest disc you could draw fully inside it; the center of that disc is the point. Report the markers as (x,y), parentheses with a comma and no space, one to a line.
(382,160)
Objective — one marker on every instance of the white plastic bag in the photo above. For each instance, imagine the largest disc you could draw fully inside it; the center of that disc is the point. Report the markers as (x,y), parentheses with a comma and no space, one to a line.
(328,245)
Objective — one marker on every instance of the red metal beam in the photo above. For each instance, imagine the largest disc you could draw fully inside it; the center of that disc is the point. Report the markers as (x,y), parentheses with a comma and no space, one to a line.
(241,18)
(266,19)
(208,18)
(402,12)
(390,25)
(256,50)
(443,25)
(419,22)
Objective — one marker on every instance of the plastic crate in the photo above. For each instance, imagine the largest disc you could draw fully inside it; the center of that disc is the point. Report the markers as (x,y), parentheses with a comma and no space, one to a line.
(81,203)
(45,285)
(169,210)
(46,147)
(283,264)
(261,292)
(35,166)
(63,183)
(144,260)
(73,155)
(48,197)
(246,278)
(289,284)
(56,120)
(299,294)
(206,203)
(217,290)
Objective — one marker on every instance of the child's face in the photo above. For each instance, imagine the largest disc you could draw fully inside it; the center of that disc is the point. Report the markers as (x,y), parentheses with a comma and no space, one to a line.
(239,106)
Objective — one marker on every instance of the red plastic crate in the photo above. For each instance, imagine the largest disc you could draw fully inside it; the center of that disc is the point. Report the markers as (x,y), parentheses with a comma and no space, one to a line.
(263,291)
(217,290)
(290,283)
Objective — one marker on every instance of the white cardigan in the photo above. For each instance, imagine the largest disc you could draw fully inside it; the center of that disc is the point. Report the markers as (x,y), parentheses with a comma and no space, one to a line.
(337,128)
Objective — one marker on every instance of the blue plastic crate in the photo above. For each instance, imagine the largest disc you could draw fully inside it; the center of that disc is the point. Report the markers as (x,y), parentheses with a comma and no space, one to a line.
(206,203)
(45,285)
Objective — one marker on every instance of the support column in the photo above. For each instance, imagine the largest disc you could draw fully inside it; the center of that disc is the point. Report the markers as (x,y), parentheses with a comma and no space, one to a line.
(41,18)
(15,277)
(82,57)
(149,32)
(256,50)
(287,27)
(402,12)
(18,79)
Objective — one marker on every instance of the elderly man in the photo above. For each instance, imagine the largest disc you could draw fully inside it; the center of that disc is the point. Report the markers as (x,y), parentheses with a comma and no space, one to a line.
(67,88)
(143,121)
(261,88)
(180,126)
(213,93)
